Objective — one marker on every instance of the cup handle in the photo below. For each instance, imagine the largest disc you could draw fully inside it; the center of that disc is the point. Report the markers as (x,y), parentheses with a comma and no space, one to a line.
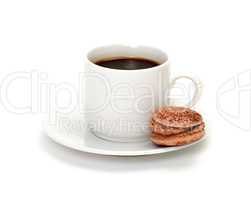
(197,92)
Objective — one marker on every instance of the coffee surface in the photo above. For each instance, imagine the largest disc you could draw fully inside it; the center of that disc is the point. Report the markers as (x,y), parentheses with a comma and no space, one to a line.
(127,63)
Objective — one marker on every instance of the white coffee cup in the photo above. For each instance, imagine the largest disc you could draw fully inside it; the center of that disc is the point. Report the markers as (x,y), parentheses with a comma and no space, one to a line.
(119,103)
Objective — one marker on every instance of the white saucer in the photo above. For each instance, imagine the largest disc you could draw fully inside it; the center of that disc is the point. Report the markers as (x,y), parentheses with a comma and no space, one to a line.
(71,131)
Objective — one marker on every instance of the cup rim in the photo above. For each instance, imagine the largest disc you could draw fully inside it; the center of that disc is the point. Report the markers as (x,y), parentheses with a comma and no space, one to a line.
(98,67)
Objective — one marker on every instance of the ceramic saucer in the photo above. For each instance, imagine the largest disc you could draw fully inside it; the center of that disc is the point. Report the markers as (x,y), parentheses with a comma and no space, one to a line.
(71,131)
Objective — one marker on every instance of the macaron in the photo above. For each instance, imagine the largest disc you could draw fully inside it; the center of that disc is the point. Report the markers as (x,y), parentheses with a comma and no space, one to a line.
(174,126)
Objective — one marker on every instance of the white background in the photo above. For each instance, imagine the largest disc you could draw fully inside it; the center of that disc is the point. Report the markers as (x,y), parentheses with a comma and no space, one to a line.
(207,39)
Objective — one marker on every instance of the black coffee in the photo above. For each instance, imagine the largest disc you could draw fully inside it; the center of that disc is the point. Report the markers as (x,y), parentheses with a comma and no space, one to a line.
(127,63)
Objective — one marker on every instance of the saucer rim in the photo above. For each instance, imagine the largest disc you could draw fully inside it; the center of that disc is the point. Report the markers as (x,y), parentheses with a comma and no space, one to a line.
(159,150)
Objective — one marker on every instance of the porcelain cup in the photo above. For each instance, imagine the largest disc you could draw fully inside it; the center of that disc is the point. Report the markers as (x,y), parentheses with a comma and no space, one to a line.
(120,103)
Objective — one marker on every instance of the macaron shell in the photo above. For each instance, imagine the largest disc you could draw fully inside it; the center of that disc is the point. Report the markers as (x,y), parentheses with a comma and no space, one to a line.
(179,117)
(178,139)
